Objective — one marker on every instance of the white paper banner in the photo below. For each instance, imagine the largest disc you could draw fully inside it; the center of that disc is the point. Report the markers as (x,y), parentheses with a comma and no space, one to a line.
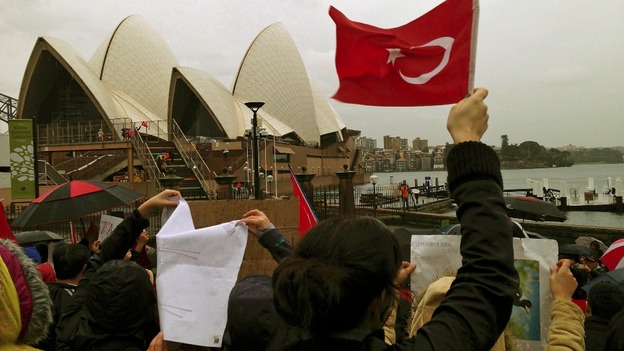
(197,269)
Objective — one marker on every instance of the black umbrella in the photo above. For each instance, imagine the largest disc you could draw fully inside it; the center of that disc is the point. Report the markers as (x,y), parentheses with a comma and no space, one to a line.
(616,277)
(36,236)
(73,200)
(527,207)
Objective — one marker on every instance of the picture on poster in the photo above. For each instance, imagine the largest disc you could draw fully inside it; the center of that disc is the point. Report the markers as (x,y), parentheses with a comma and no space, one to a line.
(525,315)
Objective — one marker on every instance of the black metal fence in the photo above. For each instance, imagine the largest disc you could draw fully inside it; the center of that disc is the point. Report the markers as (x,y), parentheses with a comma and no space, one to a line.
(368,199)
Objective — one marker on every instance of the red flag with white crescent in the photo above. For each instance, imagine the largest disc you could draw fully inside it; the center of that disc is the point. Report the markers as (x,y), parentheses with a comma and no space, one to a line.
(428,61)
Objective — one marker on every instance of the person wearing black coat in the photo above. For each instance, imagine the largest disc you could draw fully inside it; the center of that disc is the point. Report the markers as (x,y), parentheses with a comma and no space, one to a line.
(114,305)
(604,300)
(339,283)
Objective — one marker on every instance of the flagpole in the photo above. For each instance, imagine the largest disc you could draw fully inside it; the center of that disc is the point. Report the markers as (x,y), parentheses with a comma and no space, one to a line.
(266,169)
(473,45)
(276,175)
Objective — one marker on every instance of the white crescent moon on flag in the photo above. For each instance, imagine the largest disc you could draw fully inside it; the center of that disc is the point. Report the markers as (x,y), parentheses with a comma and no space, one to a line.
(444,42)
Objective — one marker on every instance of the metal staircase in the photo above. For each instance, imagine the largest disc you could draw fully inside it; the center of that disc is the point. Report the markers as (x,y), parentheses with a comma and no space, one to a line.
(8,108)
(193,161)
(193,176)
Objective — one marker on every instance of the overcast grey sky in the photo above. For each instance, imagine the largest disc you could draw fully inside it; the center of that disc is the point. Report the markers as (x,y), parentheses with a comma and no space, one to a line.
(554,68)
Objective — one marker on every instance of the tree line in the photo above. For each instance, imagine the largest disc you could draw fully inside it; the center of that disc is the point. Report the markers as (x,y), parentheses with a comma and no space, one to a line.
(535,153)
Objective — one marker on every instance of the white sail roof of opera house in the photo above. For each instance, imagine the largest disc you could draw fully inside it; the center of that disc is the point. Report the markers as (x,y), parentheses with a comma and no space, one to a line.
(214,96)
(327,118)
(272,71)
(132,75)
(135,59)
(231,114)
(75,65)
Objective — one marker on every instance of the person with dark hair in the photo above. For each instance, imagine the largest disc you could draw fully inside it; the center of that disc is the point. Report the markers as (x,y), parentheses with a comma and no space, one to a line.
(340,282)
(114,305)
(604,300)
(43,251)
(69,263)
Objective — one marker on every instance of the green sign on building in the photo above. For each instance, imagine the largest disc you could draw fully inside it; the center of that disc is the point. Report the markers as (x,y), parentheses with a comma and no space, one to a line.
(22,159)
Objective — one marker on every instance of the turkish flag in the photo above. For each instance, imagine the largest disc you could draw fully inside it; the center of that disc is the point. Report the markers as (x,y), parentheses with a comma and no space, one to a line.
(429,61)
(307,218)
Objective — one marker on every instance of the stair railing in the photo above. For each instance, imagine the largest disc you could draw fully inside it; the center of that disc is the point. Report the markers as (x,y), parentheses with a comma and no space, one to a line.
(193,160)
(147,160)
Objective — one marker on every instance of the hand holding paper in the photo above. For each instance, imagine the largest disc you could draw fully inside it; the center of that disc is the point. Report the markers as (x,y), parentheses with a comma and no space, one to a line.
(166,198)
(197,268)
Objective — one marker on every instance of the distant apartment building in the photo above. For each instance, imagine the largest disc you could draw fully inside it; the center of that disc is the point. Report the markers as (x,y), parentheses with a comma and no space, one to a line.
(366,144)
(427,163)
(395,143)
(438,162)
(420,144)
(401,165)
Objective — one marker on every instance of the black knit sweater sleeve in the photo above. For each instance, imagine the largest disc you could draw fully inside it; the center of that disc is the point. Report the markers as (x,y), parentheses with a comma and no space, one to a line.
(472,160)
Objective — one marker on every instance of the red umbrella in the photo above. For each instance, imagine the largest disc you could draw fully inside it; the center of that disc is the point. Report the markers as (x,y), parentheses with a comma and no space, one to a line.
(613,258)
(74,200)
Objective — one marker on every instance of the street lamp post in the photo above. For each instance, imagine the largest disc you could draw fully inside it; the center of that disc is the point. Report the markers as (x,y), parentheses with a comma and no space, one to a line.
(254,106)
(373,180)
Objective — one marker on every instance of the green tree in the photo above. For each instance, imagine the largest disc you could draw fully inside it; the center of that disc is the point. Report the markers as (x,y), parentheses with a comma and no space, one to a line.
(597,155)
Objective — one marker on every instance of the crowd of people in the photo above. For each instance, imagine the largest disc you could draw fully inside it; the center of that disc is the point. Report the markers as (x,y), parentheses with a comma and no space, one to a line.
(339,288)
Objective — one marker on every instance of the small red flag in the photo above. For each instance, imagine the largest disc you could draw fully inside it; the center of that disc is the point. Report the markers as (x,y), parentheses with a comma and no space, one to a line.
(429,61)
(144,124)
(307,218)
(5,228)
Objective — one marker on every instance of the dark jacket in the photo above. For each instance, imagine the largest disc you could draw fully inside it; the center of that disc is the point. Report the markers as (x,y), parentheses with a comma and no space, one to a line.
(253,323)
(113,307)
(61,294)
(478,305)
(595,333)
(275,242)
(614,340)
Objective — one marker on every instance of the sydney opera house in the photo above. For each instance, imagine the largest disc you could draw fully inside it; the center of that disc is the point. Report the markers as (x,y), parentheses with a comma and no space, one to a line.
(118,114)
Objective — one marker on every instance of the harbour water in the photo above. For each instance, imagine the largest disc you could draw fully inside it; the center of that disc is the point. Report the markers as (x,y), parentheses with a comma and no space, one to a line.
(575,178)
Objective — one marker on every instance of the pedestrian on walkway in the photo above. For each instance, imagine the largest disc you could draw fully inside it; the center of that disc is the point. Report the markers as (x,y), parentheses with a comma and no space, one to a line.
(404,191)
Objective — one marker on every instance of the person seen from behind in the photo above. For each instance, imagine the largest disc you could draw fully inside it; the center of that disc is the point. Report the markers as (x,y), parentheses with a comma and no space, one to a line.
(604,300)
(114,305)
(340,282)
(69,263)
